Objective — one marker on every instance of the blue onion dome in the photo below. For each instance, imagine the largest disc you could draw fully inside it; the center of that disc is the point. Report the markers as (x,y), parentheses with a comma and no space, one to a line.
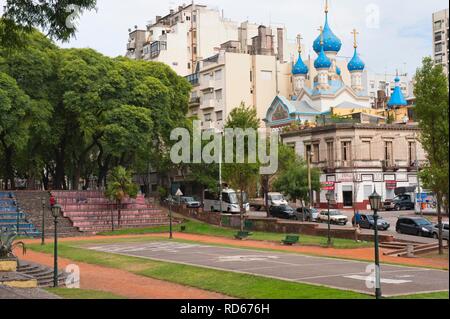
(331,43)
(322,61)
(338,70)
(397,98)
(356,64)
(300,67)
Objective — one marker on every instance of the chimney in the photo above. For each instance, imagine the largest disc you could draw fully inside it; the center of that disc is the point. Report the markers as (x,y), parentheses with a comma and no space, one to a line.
(280,40)
(158,18)
(172,11)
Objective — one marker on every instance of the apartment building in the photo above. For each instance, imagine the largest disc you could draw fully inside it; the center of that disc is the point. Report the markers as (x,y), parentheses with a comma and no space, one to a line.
(252,75)
(195,32)
(357,157)
(440,38)
(380,87)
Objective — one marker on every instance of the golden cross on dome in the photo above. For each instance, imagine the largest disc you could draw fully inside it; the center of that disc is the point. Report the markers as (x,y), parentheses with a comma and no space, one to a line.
(355,33)
(299,42)
(321,35)
(326,6)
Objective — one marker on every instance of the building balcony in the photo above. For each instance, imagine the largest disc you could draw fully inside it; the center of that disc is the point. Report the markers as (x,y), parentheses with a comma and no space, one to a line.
(208,85)
(194,101)
(389,166)
(208,104)
(131,46)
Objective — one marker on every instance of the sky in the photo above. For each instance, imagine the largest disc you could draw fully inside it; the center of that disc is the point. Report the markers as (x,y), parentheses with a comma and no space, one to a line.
(392,34)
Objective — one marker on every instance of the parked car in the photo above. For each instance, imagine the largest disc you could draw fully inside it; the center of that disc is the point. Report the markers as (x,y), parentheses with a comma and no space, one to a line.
(336,217)
(283,212)
(190,202)
(368,222)
(417,226)
(311,214)
(444,231)
(171,200)
(401,202)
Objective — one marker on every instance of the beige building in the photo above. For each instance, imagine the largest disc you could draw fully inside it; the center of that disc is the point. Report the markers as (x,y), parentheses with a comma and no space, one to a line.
(195,32)
(440,38)
(356,158)
(253,76)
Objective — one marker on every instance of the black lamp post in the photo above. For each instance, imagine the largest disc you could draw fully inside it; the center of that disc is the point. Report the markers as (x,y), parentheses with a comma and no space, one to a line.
(375,204)
(56,212)
(329,197)
(43,221)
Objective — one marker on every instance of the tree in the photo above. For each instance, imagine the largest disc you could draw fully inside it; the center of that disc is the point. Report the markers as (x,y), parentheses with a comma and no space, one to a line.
(14,112)
(293,181)
(242,175)
(431,91)
(55,17)
(120,186)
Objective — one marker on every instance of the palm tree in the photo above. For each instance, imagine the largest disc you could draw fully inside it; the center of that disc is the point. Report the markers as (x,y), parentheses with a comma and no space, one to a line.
(120,186)
(7,244)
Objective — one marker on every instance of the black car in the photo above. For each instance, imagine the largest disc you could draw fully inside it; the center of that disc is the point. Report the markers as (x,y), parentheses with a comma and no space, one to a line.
(417,226)
(368,222)
(401,202)
(283,212)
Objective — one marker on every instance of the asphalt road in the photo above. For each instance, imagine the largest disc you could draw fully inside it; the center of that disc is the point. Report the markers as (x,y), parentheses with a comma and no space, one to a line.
(343,274)
(390,216)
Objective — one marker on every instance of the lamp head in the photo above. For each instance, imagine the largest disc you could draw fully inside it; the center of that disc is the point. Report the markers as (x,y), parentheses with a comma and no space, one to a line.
(375,201)
(56,211)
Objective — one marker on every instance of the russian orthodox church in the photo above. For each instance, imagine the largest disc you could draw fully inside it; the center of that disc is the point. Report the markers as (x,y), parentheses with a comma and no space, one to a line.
(327,90)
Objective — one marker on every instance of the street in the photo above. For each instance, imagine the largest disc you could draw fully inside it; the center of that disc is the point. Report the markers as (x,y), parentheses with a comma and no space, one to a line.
(390,216)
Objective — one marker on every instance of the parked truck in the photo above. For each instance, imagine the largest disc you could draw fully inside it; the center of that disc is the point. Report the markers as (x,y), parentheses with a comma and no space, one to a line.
(404,199)
(273,199)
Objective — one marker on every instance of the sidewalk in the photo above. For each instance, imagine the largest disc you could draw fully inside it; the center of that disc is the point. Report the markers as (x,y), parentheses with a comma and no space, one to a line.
(124,283)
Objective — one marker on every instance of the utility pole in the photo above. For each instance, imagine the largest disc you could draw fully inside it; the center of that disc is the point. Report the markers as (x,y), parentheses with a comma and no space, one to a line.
(311,201)
(418,176)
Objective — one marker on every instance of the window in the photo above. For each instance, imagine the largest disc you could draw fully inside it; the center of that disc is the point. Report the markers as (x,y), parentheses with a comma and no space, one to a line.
(366,154)
(219,95)
(194,18)
(251,76)
(412,153)
(330,154)
(266,75)
(189,66)
(346,151)
(307,151)
(437,36)
(218,75)
(316,153)
(438,47)
(438,25)
(188,18)
(388,153)
(208,117)
(219,116)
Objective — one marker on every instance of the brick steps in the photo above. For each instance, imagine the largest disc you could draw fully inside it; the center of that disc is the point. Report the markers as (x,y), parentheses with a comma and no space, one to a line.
(43,274)
(98,229)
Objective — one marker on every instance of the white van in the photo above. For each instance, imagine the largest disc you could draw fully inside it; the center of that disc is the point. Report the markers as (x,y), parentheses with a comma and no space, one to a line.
(230,201)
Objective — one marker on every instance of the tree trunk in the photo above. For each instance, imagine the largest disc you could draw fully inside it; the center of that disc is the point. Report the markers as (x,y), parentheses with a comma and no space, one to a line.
(9,169)
(439,212)
(58,182)
(119,213)
(242,210)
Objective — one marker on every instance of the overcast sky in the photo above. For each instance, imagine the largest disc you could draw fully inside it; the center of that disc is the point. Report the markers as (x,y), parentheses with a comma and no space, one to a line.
(393,34)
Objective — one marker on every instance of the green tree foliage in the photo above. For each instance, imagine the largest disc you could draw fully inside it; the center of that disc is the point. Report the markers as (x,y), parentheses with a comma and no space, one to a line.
(56,18)
(293,181)
(87,113)
(14,114)
(431,91)
(120,187)
(242,175)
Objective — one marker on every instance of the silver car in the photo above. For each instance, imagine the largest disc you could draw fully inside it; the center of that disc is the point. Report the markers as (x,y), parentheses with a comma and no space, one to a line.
(444,231)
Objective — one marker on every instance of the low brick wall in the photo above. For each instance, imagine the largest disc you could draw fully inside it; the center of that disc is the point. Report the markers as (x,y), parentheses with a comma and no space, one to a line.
(274,225)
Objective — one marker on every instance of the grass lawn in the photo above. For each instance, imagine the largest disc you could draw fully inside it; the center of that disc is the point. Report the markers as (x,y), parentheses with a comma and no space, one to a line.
(82,294)
(227,283)
(433,295)
(199,228)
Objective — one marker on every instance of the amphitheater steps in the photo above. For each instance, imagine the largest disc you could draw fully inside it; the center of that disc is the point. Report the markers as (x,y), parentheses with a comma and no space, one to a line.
(43,274)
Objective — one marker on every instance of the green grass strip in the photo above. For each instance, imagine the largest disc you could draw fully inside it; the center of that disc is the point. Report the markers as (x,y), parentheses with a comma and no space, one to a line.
(66,293)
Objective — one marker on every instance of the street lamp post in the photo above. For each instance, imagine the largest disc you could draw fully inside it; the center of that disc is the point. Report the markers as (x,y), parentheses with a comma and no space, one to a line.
(43,221)
(311,195)
(375,204)
(218,131)
(56,212)
(329,197)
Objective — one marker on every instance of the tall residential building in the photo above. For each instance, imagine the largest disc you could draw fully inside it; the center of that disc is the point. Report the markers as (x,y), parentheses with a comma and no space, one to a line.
(381,86)
(195,32)
(253,75)
(440,38)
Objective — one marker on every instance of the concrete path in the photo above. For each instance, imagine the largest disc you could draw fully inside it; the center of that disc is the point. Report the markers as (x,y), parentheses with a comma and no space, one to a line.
(343,274)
